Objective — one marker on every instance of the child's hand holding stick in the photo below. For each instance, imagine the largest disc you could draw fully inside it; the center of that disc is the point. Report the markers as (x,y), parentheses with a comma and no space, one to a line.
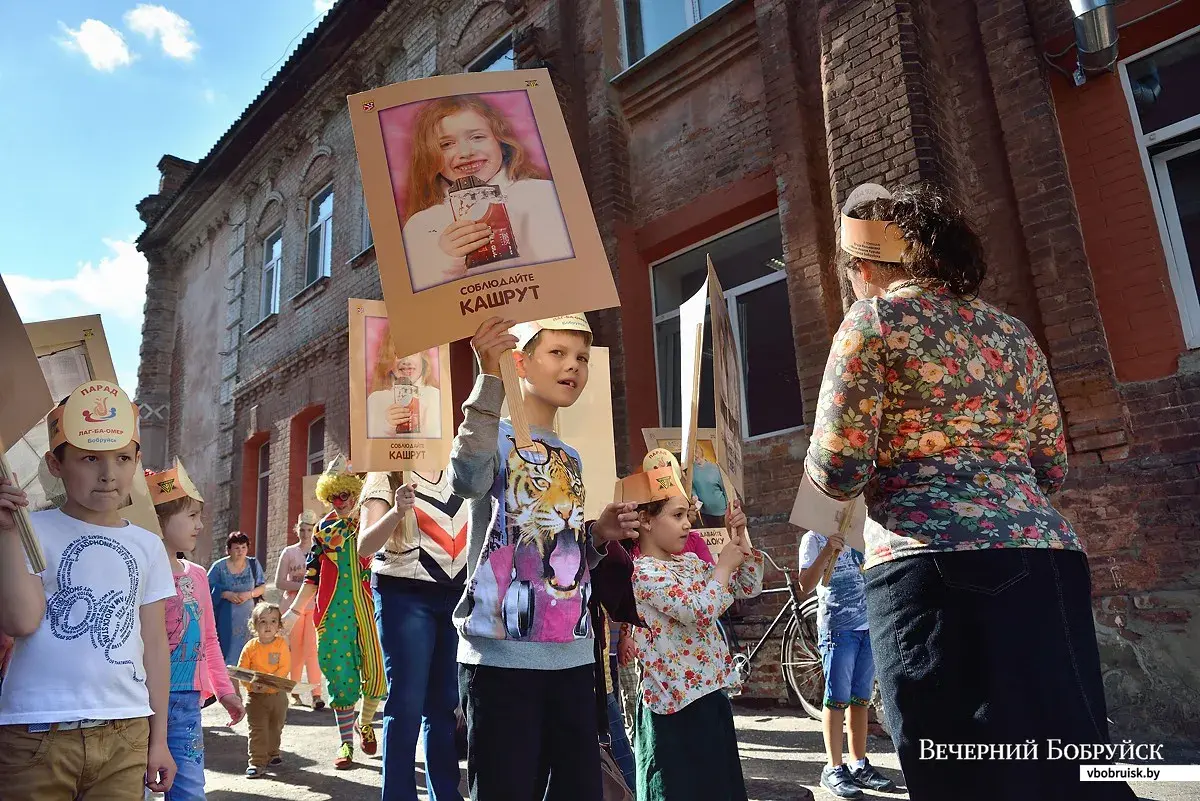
(13,506)
(845,518)
(493,346)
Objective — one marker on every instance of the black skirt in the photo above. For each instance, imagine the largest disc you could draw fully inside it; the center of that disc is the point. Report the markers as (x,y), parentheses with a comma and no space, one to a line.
(690,755)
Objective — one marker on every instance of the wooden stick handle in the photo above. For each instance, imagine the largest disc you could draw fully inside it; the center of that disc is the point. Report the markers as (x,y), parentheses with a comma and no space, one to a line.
(844,520)
(33,548)
(409,524)
(516,406)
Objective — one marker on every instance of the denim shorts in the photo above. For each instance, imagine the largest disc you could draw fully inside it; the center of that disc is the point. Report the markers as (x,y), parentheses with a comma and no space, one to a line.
(849,668)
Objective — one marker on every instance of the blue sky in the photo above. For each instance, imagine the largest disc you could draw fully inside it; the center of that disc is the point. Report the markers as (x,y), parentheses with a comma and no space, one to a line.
(92,94)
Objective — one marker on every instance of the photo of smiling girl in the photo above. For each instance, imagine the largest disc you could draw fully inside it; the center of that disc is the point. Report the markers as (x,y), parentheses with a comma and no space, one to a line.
(405,401)
(476,198)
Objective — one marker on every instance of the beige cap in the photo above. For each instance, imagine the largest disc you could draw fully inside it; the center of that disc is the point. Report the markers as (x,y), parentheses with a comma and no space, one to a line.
(565,322)
(171,485)
(98,416)
(876,240)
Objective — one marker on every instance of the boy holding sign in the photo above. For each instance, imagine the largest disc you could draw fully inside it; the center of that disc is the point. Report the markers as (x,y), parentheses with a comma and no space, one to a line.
(89,680)
(526,649)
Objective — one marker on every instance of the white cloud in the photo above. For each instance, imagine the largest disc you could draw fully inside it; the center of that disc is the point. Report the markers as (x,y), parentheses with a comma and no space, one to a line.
(173,32)
(210,96)
(321,6)
(114,287)
(104,47)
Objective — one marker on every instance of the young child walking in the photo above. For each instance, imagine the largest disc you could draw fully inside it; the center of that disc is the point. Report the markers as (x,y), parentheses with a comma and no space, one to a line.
(526,647)
(686,745)
(267,652)
(845,645)
(84,708)
(196,659)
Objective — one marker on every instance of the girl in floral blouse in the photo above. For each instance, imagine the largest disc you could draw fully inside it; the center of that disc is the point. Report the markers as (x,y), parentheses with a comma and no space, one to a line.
(940,408)
(686,744)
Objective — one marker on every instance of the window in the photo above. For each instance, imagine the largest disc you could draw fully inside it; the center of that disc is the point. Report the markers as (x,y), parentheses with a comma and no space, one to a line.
(316,447)
(268,303)
(650,24)
(1166,118)
(262,501)
(498,59)
(320,236)
(749,263)
(368,236)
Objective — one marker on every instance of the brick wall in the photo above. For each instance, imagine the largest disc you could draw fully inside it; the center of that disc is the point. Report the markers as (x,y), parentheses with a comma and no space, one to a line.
(768,104)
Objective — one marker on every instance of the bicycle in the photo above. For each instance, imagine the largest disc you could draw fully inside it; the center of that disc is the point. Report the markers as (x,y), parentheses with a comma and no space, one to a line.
(799,656)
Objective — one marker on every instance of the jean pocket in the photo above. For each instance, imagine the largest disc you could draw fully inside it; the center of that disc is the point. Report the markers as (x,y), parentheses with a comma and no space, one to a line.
(988,572)
(134,732)
(21,749)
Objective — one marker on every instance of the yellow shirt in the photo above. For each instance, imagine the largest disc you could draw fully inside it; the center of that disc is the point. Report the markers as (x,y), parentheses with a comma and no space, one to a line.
(274,658)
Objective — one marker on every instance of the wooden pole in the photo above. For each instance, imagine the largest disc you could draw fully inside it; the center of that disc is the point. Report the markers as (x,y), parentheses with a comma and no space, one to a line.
(845,517)
(516,406)
(33,548)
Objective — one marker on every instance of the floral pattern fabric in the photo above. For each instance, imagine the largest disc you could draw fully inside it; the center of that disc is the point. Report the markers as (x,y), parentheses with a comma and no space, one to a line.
(682,653)
(942,411)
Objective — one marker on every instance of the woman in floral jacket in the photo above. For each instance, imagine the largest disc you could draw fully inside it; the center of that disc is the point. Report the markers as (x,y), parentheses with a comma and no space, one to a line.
(940,408)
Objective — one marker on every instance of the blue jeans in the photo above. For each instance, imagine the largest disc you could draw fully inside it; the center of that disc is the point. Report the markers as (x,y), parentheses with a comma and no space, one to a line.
(420,647)
(185,740)
(849,668)
(620,742)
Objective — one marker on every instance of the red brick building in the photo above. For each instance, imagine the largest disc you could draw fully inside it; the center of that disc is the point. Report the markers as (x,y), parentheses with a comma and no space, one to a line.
(735,128)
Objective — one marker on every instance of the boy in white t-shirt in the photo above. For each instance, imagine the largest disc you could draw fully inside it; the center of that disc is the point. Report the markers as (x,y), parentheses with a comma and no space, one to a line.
(83,711)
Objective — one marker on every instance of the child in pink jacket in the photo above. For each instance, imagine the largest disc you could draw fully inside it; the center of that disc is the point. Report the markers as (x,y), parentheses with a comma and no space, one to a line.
(197,666)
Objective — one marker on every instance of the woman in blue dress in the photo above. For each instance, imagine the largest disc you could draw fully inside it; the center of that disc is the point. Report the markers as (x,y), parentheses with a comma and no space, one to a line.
(237,582)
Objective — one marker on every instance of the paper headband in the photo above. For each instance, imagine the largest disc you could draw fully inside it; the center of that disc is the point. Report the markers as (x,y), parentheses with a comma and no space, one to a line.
(98,416)
(566,322)
(658,481)
(876,240)
(171,485)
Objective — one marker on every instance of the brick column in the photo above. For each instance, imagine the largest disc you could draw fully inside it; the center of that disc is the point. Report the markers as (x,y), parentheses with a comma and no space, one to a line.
(224,518)
(158,345)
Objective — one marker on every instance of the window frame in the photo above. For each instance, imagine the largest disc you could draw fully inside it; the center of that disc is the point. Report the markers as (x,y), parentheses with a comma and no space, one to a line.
(325,270)
(1183,284)
(309,453)
(262,501)
(367,235)
(695,17)
(276,266)
(731,298)
(493,54)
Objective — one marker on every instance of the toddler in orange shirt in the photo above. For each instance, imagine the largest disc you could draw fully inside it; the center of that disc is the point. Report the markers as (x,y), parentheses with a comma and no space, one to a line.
(267,652)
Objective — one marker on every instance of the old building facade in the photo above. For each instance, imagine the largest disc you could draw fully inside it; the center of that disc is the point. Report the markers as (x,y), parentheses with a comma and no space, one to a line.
(735,129)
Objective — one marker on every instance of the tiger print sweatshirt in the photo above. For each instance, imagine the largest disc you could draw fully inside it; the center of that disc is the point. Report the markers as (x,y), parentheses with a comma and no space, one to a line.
(529,552)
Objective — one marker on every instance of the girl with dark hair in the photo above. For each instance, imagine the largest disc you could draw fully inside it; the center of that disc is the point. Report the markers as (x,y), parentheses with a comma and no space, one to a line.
(940,408)
(236,583)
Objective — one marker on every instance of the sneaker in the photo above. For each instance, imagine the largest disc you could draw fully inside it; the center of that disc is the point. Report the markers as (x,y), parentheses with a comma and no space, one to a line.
(254,773)
(318,702)
(276,761)
(296,700)
(871,779)
(369,744)
(838,781)
(345,757)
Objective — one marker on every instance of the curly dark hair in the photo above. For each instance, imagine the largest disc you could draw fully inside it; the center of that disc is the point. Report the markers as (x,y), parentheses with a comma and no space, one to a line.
(236,538)
(944,252)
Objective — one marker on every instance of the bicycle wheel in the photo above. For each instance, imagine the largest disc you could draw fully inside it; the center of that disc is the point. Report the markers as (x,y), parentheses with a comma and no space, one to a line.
(800,660)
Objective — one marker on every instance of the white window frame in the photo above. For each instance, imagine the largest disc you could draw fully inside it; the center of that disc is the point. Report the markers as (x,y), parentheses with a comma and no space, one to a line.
(731,298)
(1183,284)
(694,19)
(262,502)
(309,454)
(268,303)
(492,54)
(325,225)
(368,236)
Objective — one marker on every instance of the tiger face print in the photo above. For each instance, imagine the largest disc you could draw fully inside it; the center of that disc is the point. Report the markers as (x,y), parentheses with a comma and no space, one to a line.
(545,507)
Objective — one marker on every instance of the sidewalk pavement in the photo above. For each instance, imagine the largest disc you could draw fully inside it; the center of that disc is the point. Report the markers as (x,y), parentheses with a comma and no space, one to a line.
(782,754)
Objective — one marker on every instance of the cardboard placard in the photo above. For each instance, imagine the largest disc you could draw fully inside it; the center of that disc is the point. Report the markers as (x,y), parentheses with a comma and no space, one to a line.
(813,510)
(691,348)
(477,204)
(727,386)
(70,351)
(715,539)
(705,471)
(24,395)
(381,382)
(588,428)
(311,502)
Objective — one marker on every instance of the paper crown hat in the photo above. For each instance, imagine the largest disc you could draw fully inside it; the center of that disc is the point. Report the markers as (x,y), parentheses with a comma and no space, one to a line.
(566,322)
(171,485)
(877,240)
(658,480)
(98,416)
(336,479)
(307,518)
